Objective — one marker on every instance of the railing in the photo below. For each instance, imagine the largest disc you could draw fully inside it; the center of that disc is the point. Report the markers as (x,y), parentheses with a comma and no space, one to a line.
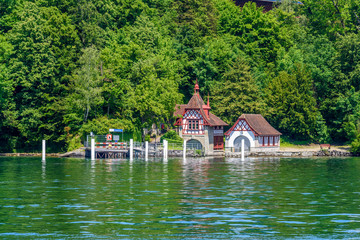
(101,142)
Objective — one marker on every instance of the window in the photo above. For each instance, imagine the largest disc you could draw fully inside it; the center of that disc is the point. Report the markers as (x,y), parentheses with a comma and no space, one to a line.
(193,124)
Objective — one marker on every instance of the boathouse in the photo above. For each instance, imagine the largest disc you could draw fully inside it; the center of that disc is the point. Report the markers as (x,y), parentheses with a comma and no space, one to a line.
(257,133)
(198,126)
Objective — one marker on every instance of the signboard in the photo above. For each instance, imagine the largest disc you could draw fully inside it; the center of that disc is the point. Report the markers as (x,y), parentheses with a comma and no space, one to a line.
(115,130)
(218,132)
(116,138)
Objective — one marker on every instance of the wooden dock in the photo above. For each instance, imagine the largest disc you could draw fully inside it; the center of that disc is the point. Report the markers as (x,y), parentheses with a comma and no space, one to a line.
(107,153)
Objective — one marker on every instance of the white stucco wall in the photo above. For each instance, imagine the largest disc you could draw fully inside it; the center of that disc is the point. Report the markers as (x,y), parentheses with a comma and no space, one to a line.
(229,142)
(254,144)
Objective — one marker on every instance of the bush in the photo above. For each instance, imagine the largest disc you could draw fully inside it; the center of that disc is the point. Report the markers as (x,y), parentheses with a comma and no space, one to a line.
(355,146)
(171,136)
(74,143)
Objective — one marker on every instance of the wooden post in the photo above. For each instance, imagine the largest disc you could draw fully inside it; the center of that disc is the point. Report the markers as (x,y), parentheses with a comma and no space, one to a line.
(43,150)
(92,149)
(242,149)
(131,149)
(184,150)
(146,150)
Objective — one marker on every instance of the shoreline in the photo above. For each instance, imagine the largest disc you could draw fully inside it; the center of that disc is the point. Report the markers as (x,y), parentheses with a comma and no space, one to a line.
(304,153)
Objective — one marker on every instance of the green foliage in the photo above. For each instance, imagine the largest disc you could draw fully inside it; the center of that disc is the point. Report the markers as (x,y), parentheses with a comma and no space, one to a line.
(74,143)
(172,136)
(237,93)
(71,67)
(286,141)
(355,146)
(292,107)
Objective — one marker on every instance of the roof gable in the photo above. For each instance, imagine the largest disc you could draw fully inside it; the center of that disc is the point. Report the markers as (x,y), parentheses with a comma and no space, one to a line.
(257,123)
(197,103)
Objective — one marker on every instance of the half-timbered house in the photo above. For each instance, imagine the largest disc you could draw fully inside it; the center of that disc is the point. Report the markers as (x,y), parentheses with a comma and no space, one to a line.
(258,135)
(198,126)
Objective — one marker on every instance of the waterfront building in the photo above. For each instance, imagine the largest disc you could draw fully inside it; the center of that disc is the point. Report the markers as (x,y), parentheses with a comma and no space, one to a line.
(198,126)
(257,133)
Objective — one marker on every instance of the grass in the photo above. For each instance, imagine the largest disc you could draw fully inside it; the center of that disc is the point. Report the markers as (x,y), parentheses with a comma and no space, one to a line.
(287,142)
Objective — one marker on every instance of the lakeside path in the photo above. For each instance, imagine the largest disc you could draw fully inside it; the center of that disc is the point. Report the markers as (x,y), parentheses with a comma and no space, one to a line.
(313,148)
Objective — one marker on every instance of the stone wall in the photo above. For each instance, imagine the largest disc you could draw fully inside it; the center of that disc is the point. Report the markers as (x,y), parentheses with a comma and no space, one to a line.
(333,153)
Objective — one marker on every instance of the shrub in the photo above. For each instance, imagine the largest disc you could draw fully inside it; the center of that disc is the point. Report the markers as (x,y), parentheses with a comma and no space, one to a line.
(355,146)
(171,136)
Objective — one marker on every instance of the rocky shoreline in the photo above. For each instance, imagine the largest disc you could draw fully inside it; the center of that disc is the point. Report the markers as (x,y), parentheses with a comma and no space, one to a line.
(178,153)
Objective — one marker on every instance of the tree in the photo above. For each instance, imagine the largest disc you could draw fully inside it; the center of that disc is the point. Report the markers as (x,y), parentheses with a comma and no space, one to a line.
(236,93)
(45,46)
(87,84)
(291,104)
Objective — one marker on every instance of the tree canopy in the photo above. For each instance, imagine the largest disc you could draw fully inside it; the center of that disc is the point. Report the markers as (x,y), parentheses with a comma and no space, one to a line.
(67,66)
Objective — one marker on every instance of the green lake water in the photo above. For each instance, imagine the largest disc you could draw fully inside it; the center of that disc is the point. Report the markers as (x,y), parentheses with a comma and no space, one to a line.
(262,198)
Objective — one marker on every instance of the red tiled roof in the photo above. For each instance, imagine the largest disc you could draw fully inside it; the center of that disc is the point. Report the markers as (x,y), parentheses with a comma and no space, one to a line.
(196,102)
(179,109)
(216,121)
(259,124)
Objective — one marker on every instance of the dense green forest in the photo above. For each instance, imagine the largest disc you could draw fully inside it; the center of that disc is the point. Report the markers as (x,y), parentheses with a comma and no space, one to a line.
(68,67)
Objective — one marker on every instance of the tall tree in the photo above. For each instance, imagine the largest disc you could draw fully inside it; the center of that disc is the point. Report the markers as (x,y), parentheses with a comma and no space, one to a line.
(291,104)
(236,94)
(87,83)
(45,46)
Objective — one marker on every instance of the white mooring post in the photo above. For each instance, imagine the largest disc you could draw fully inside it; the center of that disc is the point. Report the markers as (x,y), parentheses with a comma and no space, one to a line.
(146,150)
(242,149)
(43,150)
(131,149)
(92,149)
(165,146)
(184,150)
(167,150)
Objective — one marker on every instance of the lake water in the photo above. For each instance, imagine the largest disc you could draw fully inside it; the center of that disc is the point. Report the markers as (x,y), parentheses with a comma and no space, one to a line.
(198,199)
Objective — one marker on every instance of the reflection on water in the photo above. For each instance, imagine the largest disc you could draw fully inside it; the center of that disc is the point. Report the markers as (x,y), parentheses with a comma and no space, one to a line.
(192,198)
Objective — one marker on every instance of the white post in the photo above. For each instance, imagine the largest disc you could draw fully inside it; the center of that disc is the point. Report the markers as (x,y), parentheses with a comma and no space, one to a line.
(146,150)
(184,150)
(92,149)
(165,149)
(242,149)
(43,150)
(131,149)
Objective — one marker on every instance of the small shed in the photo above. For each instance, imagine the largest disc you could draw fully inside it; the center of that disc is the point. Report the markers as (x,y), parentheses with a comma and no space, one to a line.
(257,133)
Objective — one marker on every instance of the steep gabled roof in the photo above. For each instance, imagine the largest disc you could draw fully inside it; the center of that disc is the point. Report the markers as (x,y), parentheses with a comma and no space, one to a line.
(179,109)
(196,102)
(258,124)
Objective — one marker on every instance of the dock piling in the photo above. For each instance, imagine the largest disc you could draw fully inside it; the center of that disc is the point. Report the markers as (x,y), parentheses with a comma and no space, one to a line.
(146,150)
(131,149)
(184,150)
(242,149)
(43,150)
(165,149)
(92,149)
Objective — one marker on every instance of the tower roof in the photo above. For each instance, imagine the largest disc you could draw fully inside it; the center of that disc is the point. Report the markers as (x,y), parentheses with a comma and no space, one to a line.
(197,103)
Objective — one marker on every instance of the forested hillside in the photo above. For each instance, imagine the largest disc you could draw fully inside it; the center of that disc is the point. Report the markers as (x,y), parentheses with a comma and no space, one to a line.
(68,67)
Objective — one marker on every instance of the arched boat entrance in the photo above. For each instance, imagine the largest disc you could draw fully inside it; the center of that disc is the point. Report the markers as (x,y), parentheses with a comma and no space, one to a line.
(194,144)
(237,144)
